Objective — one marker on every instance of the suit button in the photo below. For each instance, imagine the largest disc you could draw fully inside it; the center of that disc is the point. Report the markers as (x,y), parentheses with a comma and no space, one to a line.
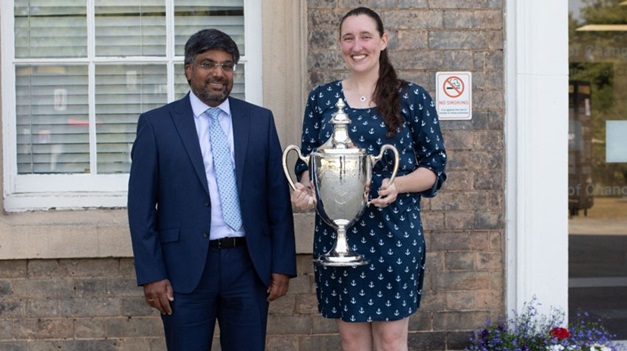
(205,235)
(207,204)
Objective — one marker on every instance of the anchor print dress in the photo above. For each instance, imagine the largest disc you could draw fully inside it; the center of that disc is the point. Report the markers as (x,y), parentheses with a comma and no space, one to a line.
(389,287)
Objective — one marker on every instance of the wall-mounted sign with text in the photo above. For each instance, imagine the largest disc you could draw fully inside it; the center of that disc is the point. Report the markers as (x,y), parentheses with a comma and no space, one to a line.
(454,95)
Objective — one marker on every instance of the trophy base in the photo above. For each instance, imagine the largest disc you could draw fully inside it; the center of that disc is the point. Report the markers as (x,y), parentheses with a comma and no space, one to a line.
(341,261)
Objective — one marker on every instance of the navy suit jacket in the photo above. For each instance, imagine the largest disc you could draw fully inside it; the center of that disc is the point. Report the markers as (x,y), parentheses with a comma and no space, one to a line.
(169,205)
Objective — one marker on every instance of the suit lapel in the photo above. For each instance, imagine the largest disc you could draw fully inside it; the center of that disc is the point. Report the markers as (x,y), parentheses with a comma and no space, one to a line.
(183,118)
(241,129)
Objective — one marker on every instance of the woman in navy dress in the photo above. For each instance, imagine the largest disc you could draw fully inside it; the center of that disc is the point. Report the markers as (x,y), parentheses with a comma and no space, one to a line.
(372,303)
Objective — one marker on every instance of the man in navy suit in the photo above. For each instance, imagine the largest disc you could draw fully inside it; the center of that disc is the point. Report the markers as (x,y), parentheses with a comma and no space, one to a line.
(195,266)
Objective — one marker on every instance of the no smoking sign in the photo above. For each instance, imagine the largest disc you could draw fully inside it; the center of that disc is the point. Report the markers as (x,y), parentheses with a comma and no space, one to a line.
(454,95)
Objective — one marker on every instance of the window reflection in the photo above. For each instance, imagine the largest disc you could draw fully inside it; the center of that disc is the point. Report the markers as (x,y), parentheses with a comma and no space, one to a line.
(597,184)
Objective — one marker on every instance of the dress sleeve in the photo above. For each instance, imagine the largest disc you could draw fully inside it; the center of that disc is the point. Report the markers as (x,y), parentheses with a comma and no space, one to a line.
(425,128)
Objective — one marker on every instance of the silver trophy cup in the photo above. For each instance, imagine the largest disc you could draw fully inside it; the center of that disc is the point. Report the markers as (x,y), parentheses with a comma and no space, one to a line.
(341,174)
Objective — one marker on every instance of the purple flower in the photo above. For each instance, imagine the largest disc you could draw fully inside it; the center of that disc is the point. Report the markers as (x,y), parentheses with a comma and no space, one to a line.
(531,331)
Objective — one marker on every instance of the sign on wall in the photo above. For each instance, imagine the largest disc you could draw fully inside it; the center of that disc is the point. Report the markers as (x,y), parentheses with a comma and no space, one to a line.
(454,95)
(616,144)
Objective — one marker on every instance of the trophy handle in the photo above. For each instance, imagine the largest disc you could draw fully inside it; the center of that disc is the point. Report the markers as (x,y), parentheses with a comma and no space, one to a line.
(396,158)
(300,156)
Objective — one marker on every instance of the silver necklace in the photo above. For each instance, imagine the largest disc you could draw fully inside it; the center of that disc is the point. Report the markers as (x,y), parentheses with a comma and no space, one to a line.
(362,98)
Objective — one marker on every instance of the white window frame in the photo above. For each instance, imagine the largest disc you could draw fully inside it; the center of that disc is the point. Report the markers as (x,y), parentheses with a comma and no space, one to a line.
(41,192)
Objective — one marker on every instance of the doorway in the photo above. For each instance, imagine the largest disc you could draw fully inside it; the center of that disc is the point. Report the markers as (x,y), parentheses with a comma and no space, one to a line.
(597,162)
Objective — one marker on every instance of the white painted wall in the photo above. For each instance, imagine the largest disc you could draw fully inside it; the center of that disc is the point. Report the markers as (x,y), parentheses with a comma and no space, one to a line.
(536,52)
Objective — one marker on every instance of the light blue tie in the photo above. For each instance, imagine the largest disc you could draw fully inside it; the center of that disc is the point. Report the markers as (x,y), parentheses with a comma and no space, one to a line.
(225,172)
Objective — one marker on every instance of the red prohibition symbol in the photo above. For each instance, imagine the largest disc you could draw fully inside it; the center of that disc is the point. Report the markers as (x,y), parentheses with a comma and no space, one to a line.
(453,87)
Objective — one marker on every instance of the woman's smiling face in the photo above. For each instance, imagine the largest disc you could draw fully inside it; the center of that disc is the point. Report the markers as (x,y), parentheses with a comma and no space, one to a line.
(361,43)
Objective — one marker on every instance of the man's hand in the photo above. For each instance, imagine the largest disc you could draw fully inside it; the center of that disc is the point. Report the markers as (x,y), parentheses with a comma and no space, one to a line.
(279,283)
(159,294)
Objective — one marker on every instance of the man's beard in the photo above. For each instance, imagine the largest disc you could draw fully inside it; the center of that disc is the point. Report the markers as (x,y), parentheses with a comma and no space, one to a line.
(206,95)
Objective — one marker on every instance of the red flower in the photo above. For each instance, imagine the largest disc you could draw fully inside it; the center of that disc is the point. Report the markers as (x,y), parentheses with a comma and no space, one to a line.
(559,333)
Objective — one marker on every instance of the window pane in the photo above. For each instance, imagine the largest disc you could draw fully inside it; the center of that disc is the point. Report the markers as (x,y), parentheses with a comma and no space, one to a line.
(52,119)
(125,28)
(123,92)
(181,87)
(50,29)
(238,82)
(85,71)
(191,16)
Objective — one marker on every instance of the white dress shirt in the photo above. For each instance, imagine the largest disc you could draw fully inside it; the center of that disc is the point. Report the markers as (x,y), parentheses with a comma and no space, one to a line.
(219,229)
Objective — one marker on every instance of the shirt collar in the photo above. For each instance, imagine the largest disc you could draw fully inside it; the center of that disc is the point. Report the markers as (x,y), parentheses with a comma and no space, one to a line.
(199,107)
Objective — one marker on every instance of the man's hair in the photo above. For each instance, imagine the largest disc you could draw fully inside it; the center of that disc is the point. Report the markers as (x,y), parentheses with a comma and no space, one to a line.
(210,39)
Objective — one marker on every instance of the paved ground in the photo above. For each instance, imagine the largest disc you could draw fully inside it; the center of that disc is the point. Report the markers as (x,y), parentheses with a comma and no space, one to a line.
(598,271)
(589,226)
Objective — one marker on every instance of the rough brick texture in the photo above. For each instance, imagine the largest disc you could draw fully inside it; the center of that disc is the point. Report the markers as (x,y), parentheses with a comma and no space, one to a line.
(89,304)
(93,304)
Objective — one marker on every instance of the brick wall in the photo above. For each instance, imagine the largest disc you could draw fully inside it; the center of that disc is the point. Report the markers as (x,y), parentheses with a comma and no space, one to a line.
(94,305)
(74,305)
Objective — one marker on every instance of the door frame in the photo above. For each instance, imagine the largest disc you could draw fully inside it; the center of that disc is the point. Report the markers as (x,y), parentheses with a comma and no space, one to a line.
(536,134)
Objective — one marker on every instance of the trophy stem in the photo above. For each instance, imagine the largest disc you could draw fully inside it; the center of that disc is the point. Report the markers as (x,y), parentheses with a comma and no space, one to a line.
(341,255)
(341,247)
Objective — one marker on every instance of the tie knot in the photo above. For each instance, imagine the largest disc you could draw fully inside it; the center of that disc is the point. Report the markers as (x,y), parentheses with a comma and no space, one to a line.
(213,113)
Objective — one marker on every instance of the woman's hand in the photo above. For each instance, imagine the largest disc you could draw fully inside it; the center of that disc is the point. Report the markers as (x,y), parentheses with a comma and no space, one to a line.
(387,194)
(303,197)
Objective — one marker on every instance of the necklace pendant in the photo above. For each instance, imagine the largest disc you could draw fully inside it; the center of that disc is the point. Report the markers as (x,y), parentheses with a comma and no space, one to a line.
(362,98)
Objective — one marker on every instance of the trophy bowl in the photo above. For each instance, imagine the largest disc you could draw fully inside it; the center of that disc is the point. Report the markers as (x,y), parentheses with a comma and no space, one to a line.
(341,174)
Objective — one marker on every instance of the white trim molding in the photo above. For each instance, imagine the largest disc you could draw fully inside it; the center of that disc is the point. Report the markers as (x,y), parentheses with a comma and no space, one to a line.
(254,38)
(536,122)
